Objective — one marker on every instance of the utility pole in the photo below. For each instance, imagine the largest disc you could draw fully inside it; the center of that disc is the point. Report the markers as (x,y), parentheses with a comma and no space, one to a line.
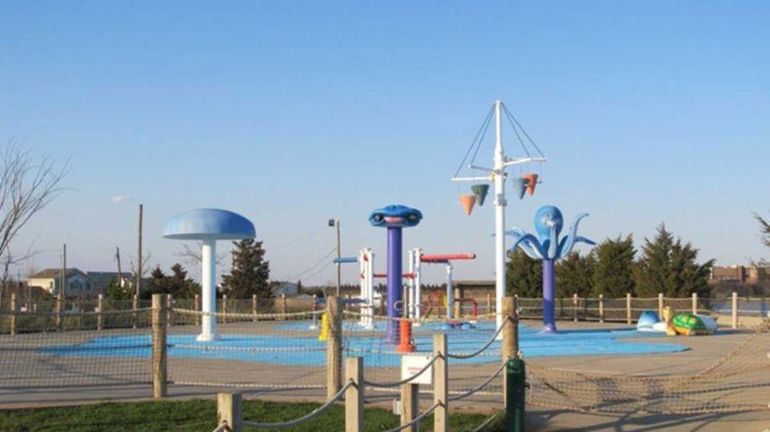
(120,271)
(138,275)
(63,290)
(335,223)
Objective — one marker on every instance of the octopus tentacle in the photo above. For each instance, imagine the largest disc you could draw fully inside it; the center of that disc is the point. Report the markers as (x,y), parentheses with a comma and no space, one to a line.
(569,241)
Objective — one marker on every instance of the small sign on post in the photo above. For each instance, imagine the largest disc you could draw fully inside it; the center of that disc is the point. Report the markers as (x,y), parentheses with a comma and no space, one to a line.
(412,364)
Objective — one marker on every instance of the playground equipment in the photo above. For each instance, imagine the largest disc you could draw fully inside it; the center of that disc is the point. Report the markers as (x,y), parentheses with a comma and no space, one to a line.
(497,175)
(548,248)
(208,226)
(673,323)
(414,287)
(394,218)
(687,324)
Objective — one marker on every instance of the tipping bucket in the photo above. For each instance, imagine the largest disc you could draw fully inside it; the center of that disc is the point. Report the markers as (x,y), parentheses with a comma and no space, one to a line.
(531,182)
(480,192)
(406,344)
(467,202)
(520,186)
(324,336)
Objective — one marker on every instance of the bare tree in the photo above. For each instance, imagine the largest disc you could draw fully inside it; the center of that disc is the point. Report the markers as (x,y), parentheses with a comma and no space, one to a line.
(27,185)
(193,256)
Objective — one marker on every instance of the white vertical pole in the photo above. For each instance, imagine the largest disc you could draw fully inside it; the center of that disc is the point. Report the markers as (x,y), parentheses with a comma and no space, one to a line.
(363,292)
(370,287)
(417,286)
(410,287)
(208,285)
(500,203)
(450,299)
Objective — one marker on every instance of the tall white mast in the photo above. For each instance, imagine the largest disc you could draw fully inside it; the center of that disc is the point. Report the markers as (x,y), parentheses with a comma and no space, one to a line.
(500,203)
(498,177)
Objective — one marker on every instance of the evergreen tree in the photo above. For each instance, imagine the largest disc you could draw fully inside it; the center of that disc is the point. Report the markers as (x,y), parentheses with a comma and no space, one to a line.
(614,272)
(179,285)
(655,264)
(670,267)
(250,272)
(524,275)
(117,292)
(158,284)
(764,229)
(574,275)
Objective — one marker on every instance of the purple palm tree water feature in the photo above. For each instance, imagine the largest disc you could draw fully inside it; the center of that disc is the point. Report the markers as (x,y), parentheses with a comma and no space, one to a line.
(395,217)
(548,248)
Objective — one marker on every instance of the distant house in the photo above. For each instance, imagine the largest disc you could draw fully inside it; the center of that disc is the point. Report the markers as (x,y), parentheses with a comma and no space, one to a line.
(736,273)
(78,284)
(102,280)
(289,289)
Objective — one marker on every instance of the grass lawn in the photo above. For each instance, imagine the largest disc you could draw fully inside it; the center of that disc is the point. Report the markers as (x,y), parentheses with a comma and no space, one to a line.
(200,416)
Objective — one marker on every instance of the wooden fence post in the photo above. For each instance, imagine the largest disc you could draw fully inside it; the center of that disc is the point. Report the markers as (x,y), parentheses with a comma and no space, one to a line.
(694,303)
(229,409)
(575,307)
(134,307)
(354,395)
(510,347)
(100,309)
(13,311)
(197,308)
(660,305)
(440,384)
(254,307)
(601,308)
(159,374)
(629,317)
(224,308)
(735,310)
(59,312)
(334,347)
(410,405)
(283,305)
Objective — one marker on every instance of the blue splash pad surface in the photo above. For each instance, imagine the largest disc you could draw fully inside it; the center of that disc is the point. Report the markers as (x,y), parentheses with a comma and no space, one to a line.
(309,351)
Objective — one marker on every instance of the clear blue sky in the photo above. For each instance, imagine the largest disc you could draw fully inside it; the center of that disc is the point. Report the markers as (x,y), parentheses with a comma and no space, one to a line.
(294,112)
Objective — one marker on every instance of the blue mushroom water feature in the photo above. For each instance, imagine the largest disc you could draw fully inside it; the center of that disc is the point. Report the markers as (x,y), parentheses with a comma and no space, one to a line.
(548,248)
(207,226)
(394,218)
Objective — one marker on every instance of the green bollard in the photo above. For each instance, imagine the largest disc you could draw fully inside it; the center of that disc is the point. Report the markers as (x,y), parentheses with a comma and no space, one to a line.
(515,383)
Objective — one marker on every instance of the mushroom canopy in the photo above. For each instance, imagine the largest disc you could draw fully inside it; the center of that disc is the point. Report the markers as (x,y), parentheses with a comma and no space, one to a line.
(395,215)
(211,224)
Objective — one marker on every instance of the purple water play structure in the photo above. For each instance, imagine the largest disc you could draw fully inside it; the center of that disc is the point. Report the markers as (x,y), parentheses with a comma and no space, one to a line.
(394,218)
(548,248)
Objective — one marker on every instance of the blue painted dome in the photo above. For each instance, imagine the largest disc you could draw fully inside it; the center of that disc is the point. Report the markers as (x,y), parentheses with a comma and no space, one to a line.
(395,215)
(202,224)
(546,218)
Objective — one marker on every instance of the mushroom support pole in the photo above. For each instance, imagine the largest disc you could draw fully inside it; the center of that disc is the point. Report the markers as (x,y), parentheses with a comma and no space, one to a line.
(208,284)
(395,290)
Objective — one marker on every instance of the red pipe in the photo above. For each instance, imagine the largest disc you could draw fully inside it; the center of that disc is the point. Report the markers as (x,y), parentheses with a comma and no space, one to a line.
(443,258)
(405,275)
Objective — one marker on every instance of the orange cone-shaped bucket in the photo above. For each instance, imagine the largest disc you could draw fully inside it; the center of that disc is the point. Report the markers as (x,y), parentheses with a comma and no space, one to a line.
(467,202)
(406,344)
(531,182)
(520,186)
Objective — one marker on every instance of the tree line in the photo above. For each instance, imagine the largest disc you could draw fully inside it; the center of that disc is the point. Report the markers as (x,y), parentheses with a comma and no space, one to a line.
(665,265)
(249,275)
